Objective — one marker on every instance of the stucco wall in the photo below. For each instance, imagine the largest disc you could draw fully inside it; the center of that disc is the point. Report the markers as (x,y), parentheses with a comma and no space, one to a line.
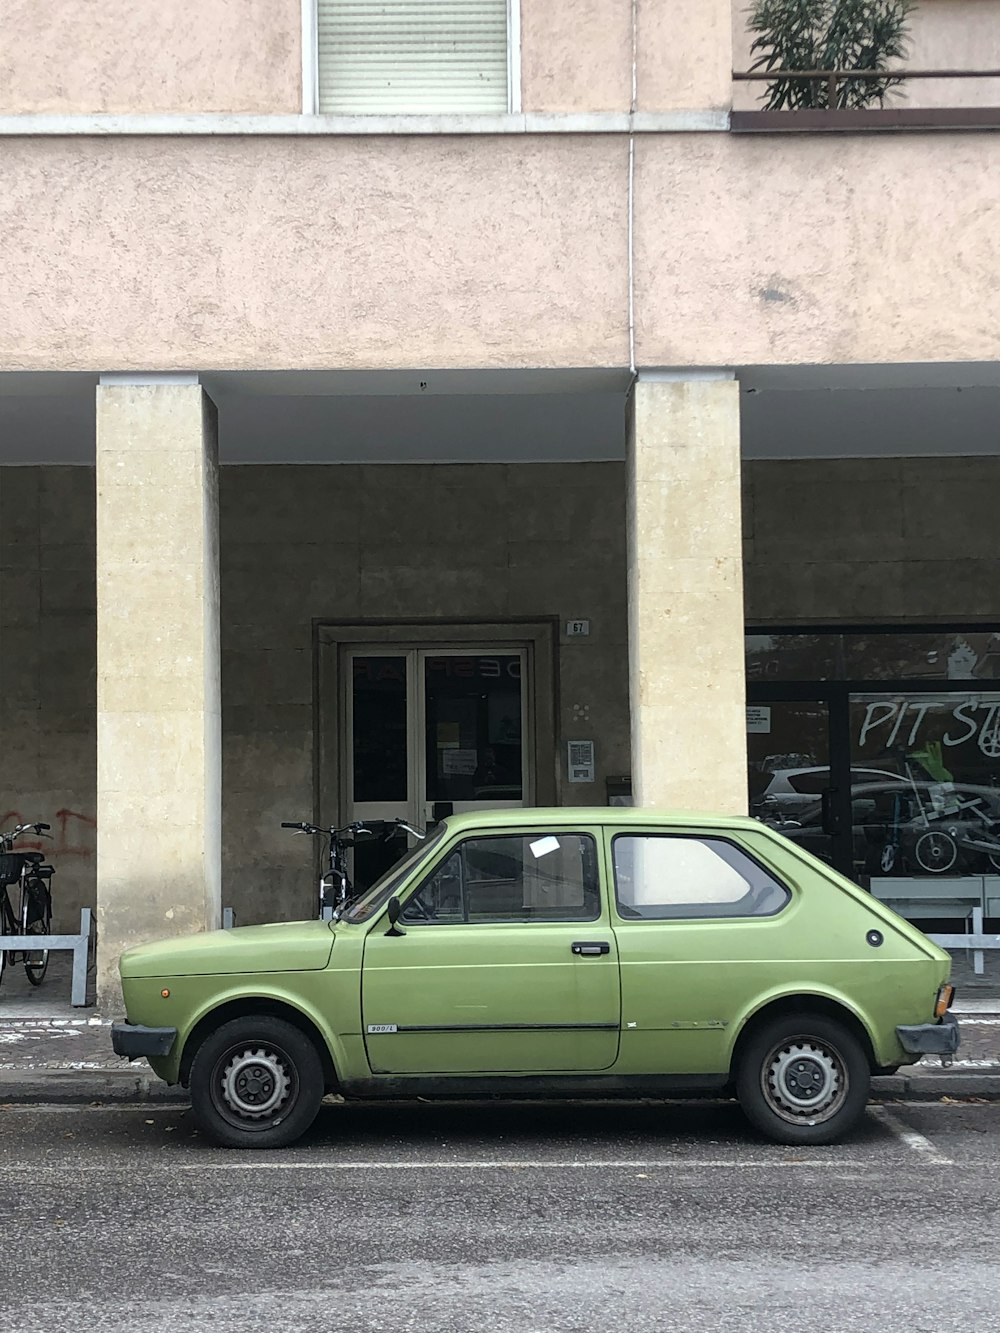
(684,55)
(309,252)
(802,249)
(80,56)
(576,55)
(285,253)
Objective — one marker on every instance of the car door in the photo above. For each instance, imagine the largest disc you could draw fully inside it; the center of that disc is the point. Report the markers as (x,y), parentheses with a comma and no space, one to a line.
(506,962)
(702,929)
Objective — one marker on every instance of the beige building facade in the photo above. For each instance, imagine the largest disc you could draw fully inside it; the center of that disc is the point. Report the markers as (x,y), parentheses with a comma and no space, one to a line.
(554,428)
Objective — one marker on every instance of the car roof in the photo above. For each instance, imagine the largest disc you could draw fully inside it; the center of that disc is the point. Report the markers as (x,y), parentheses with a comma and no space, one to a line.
(825,768)
(617,816)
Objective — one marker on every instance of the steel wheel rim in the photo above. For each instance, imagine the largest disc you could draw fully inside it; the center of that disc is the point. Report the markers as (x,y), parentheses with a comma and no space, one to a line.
(254,1085)
(804,1080)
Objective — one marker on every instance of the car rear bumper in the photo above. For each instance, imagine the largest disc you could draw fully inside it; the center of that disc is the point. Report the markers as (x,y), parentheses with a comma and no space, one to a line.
(941,1038)
(133,1040)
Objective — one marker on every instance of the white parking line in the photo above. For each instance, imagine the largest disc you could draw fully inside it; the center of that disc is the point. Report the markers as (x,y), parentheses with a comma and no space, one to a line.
(911,1137)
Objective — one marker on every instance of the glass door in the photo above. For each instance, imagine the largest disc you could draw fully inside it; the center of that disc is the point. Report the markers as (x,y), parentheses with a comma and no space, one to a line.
(380,777)
(433,732)
(792,777)
(473,730)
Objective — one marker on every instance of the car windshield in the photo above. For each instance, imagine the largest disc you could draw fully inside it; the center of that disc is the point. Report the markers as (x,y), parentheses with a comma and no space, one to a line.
(382,890)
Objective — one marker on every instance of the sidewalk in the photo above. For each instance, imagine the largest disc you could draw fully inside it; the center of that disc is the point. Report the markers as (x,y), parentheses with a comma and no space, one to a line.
(50,1052)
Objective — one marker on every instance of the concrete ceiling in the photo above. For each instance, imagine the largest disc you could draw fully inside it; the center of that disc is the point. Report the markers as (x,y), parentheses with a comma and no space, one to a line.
(480,416)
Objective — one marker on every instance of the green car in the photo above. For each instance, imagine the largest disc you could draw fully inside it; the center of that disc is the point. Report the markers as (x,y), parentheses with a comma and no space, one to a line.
(554,953)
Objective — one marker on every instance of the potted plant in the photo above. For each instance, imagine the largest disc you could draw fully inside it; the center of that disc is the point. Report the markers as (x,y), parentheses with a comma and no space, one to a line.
(828,34)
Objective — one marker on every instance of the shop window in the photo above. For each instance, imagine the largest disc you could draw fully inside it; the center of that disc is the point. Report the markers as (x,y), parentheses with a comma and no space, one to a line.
(931,655)
(660,877)
(398,57)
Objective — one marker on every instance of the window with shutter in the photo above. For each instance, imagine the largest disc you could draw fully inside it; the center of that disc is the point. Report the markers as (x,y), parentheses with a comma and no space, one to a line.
(398,57)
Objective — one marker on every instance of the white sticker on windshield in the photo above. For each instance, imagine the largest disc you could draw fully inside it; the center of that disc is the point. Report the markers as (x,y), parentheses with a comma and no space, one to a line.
(543,846)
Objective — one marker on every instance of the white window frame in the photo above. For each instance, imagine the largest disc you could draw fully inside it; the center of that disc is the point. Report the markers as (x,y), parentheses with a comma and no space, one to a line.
(310,57)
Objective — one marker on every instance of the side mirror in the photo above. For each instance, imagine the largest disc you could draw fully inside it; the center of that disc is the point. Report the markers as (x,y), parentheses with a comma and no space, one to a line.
(393,909)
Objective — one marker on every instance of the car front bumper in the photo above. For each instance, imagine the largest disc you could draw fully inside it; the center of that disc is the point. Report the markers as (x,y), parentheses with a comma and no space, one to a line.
(941,1038)
(133,1040)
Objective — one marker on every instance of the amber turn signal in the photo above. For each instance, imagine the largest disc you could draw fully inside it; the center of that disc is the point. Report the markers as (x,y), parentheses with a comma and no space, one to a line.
(944,998)
(165,994)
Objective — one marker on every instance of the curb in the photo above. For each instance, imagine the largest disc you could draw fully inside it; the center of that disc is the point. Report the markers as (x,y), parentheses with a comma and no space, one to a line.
(83,1087)
(80,1087)
(933,1087)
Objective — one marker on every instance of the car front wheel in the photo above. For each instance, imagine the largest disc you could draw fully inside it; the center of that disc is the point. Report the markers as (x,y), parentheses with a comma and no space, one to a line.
(256,1082)
(803,1079)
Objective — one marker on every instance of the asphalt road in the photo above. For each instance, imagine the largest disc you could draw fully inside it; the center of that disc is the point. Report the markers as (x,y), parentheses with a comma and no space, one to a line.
(505,1219)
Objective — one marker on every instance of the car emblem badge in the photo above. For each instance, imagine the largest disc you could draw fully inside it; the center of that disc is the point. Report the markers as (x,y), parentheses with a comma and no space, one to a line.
(382,1027)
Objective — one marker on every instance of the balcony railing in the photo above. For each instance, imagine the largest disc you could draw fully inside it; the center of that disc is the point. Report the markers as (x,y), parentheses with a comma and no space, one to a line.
(834,117)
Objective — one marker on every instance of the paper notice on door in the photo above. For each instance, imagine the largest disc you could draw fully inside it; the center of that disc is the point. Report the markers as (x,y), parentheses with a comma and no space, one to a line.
(459,763)
(759,721)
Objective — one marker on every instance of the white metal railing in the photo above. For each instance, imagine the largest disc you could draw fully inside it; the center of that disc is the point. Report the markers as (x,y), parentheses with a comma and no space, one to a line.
(78,944)
(974,941)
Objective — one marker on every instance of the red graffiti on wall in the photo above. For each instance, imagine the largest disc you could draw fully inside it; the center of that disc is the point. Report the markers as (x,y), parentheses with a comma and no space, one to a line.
(72,834)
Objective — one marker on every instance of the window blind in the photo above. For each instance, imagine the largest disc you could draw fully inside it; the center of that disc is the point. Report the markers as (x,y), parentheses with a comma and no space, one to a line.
(393,57)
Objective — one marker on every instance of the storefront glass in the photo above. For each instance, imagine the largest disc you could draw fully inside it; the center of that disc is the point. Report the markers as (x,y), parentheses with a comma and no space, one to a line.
(880,753)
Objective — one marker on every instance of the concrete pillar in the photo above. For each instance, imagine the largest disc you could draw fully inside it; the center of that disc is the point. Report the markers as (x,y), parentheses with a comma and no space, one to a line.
(158,710)
(685,593)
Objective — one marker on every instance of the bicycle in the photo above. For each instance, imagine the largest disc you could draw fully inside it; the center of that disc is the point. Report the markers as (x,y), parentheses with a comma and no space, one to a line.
(34,901)
(335,889)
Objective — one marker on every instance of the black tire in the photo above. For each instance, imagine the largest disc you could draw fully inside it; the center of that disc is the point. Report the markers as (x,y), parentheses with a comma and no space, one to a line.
(36,919)
(803,1079)
(92,944)
(244,1063)
(8,926)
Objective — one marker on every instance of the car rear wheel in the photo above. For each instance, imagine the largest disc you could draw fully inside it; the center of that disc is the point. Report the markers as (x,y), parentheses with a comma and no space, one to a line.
(803,1078)
(256,1082)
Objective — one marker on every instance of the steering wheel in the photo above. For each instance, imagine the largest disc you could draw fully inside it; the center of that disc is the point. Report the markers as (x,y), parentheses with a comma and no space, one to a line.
(415,904)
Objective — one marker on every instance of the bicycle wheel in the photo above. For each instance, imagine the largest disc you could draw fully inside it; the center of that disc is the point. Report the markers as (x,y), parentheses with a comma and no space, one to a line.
(8,926)
(936,852)
(36,919)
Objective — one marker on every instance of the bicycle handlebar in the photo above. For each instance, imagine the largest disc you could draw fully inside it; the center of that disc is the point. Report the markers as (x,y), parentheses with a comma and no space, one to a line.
(359,826)
(24,828)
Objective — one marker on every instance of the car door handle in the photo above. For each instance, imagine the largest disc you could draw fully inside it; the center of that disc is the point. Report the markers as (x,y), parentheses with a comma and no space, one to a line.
(591,948)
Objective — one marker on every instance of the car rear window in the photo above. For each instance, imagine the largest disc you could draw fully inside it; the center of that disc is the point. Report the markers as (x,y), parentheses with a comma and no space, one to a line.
(662,877)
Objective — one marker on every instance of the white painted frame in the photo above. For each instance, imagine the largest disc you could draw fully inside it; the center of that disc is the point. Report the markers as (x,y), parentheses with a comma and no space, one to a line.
(514,57)
(310,57)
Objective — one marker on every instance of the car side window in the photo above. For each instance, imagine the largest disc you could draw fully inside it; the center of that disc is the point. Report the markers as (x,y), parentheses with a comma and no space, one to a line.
(537,876)
(663,877)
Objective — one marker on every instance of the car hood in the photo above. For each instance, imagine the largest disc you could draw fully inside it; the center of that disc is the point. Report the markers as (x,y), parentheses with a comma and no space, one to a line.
(286,946)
